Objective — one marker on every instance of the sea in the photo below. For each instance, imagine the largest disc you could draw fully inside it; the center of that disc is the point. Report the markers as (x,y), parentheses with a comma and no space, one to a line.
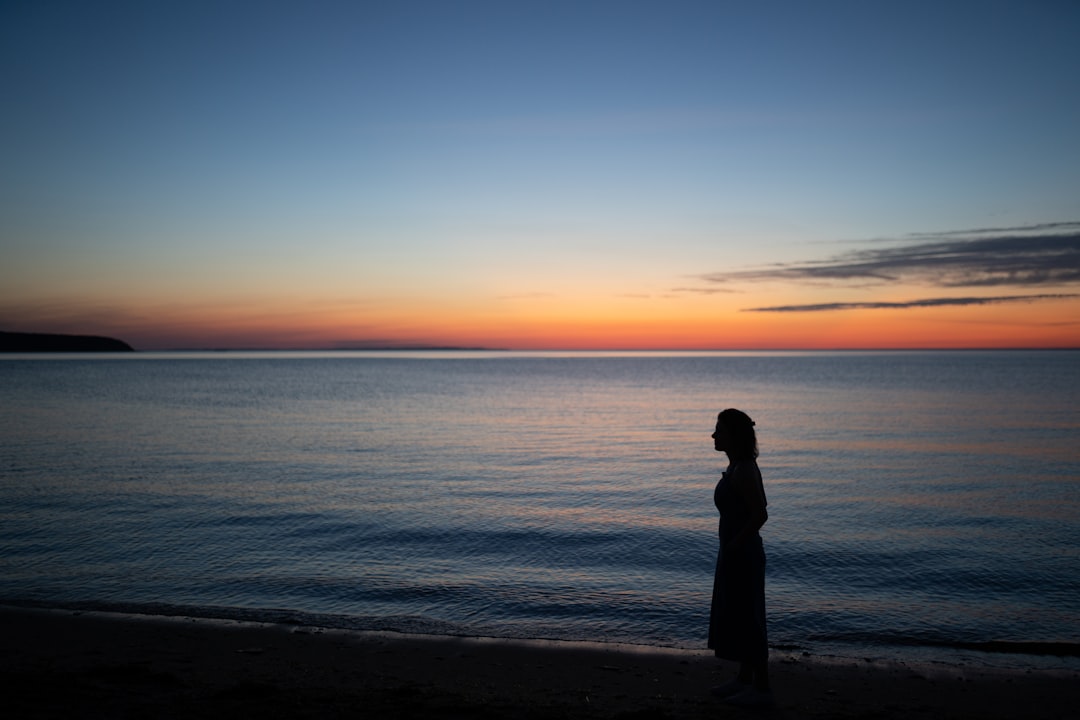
(924,506)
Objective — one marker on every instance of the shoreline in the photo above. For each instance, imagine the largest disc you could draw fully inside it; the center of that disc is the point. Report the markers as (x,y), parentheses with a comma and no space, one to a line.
(84,663)
(1008,656)
(1033,656)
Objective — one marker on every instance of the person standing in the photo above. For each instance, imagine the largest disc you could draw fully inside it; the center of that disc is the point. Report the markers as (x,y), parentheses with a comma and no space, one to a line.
(737,620)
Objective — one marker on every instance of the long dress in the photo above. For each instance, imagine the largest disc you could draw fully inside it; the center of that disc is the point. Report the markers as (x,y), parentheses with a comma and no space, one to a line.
(737,619)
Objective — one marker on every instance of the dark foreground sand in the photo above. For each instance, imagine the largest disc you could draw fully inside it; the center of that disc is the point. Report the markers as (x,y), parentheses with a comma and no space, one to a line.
(65,664)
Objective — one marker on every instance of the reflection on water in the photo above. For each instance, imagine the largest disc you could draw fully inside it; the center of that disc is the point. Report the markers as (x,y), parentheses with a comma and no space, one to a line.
(927,497)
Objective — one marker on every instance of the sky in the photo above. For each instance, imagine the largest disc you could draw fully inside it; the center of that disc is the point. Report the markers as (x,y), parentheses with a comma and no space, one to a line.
(542,175)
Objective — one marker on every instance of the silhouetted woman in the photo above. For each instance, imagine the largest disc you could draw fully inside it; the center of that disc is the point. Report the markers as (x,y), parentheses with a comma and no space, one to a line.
(737,621)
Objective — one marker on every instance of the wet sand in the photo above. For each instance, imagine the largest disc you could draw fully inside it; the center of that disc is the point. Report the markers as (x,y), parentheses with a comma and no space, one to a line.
(65,664)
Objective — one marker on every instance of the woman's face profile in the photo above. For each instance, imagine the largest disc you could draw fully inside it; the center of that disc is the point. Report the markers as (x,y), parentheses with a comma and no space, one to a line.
(719,437)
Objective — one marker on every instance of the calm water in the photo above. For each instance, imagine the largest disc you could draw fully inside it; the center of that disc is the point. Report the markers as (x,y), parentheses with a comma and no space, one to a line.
(919,502)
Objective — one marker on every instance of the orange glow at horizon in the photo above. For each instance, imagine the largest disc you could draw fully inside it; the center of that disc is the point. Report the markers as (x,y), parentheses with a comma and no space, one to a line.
(546,324)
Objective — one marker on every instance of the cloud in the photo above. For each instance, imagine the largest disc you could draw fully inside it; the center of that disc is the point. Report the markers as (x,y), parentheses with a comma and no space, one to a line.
(703,291)
(930,302)
(1040,227)
(1029,256)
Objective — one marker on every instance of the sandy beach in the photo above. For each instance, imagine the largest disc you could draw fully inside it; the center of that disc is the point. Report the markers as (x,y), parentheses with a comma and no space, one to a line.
(71,664)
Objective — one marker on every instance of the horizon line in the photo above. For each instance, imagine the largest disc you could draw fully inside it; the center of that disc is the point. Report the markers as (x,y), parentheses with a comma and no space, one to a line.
(444,348)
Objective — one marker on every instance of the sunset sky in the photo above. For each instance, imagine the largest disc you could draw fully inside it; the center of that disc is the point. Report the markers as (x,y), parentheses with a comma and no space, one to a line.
(532,175)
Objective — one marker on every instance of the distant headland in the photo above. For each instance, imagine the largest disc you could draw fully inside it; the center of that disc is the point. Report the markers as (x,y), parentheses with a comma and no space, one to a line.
(45,342)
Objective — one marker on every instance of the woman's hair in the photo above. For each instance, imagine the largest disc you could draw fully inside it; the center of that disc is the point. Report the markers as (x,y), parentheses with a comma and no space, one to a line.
(740,429)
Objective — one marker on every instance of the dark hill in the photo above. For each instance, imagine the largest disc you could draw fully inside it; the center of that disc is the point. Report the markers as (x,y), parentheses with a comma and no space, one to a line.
(42,342)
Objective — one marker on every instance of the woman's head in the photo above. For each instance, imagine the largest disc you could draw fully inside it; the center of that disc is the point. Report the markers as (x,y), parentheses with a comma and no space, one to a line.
(739,438)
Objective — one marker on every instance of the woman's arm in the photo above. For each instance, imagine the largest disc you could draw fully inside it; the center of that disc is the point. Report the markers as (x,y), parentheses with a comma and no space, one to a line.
(747,483)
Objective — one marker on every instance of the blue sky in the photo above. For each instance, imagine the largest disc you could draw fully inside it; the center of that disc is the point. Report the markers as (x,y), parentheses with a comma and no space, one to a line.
(376,154)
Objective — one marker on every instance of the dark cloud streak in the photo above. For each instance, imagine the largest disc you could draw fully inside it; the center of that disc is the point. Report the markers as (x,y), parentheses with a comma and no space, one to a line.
(929,302)
(1040,227)
(1011,257)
